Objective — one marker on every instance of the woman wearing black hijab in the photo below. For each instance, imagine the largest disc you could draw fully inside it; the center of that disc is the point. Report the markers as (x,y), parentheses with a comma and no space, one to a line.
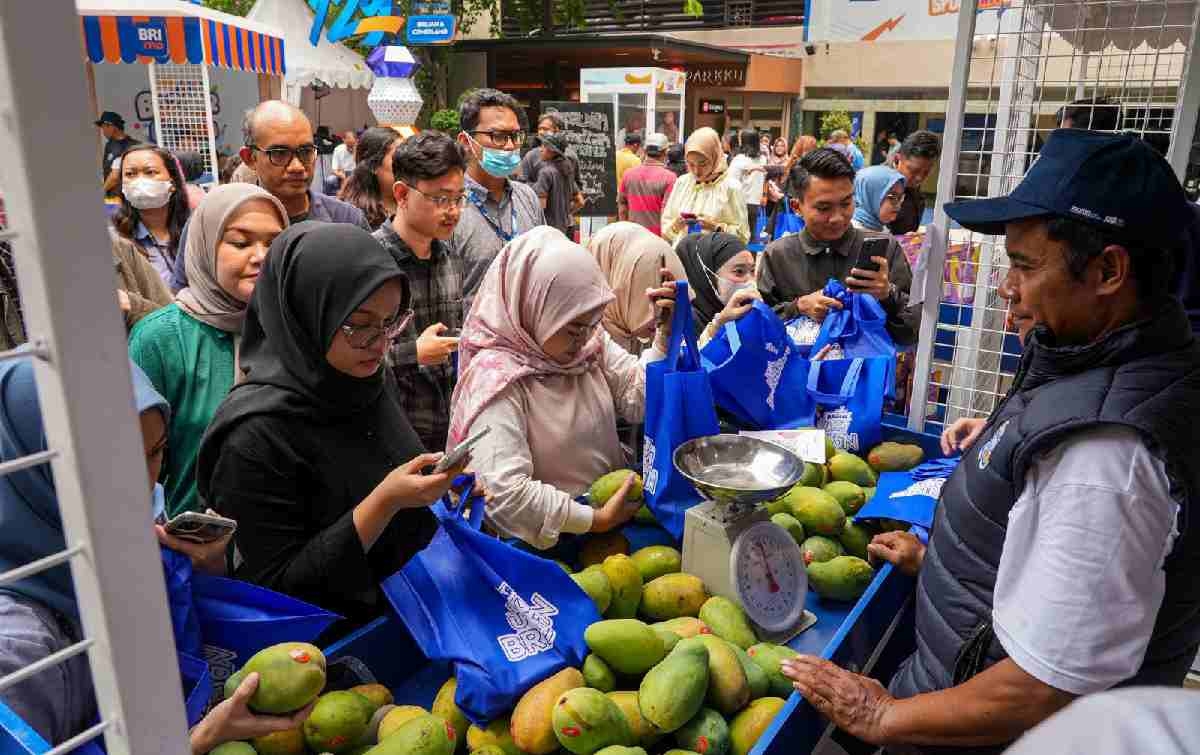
(311,453)
(720,273)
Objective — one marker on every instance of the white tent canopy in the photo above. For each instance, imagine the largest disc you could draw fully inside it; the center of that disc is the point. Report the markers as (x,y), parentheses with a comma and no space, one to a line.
(333,64)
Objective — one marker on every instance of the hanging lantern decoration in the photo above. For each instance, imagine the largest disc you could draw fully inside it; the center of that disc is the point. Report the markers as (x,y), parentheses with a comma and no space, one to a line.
(394,99)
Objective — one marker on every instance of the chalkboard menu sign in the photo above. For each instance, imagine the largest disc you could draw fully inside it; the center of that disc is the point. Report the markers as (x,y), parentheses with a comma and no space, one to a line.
(589,134)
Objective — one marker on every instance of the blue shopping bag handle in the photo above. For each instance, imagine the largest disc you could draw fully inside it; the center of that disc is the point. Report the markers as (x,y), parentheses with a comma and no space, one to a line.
(849,383)
(445,509)
(683,330)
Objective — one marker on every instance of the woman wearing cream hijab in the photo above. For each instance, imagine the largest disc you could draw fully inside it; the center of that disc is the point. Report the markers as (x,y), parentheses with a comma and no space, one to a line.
(704,192)
(630,258)
(189,348)
(536,367)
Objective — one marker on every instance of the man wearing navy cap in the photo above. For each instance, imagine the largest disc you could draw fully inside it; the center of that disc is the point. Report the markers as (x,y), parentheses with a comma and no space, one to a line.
(112,127)
(1062,560)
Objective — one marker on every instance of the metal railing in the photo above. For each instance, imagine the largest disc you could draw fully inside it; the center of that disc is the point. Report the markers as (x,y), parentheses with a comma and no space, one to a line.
(523,17)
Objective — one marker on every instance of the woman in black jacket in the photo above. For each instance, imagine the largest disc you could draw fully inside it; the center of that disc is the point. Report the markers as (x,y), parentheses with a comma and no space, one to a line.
(311,452)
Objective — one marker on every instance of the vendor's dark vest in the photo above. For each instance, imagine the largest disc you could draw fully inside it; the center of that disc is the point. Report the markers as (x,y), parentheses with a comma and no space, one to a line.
(1145,376)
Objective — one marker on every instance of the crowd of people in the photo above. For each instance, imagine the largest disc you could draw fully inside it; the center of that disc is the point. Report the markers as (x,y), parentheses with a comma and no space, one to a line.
(301,361)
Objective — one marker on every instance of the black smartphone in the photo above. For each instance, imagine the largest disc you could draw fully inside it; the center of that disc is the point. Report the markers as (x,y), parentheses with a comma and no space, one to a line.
(875,246)
(200,528)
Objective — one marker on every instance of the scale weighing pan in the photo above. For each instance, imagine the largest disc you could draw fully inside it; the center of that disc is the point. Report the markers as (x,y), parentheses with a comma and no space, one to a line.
(730,542)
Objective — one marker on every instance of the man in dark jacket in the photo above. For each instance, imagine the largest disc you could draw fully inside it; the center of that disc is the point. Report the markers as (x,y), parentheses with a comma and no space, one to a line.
(1062,559)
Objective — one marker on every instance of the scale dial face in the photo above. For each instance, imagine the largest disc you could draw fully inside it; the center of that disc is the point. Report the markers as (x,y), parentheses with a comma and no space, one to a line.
(768,576)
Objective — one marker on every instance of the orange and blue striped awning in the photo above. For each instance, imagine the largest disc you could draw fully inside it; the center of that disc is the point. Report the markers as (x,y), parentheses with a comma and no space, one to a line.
(114,39)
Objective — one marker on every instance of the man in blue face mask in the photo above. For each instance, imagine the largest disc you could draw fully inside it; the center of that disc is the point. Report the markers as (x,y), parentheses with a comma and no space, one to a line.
(498,209)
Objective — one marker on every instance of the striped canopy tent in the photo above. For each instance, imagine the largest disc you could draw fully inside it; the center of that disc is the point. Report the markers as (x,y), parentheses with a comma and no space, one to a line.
(193,34)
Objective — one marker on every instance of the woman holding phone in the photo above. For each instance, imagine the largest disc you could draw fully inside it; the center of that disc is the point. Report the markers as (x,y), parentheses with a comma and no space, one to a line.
(311,452)
(702,195)
(537,367)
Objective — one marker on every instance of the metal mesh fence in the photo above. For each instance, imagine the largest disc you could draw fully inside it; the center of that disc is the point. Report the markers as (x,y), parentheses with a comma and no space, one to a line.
(1040,64)
(182,110)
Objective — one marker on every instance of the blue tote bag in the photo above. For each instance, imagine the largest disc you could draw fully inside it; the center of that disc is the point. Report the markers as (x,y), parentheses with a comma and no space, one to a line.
(859,327)
(910,496)
(759,238)
(787,223)
(757,374)
(506,618)
(679,407)
(849,398)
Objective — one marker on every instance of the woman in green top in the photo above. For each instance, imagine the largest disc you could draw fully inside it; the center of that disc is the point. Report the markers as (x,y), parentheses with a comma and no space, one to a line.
(189,349)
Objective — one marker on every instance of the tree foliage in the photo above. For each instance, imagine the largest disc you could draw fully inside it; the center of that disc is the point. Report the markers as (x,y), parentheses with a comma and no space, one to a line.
(446,121)
(835,120)
(234,7)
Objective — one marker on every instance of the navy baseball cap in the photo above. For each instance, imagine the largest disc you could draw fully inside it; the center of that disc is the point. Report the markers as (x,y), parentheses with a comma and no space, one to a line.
(1115,182)
(109,118)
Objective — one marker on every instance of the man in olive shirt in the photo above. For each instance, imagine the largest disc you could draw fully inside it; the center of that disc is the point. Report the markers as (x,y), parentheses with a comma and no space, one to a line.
(794,270)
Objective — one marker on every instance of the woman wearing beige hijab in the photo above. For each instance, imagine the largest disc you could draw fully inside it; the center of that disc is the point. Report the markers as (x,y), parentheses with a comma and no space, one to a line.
(630,258)
(189,348)
(704,193)
(537,368)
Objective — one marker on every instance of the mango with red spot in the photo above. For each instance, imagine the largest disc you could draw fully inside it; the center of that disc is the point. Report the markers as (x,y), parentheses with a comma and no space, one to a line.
(337,721)
(707,734)
(586,720)
(290,676)
(423,735)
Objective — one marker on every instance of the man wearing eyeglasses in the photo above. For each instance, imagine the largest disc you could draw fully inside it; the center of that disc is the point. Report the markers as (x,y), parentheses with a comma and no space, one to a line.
(498,209)
(429,170)
(279,148)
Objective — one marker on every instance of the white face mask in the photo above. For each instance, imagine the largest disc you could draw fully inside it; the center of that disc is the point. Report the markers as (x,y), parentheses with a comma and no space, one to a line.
(727,288)
(147,193)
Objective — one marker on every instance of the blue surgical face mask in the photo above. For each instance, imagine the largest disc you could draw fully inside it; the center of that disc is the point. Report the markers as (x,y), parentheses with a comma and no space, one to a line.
(498,162)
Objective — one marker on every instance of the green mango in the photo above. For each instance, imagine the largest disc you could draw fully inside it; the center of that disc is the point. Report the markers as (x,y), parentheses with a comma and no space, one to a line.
(594,582)
(337,722)
(748,726)
(286,742)
(706,733)
(813,475)
(728,690)
(597,674)
(626,582)
(394,718)
(606,487)
(290,676)
(673,692)
(644,732)
(673,595)
(654,561)
(232,682)
(869,493)
(842,578)
(619,750)
(817,511)
(848,495)
(423,735)
(768,656)
(378,694)
(532,724)
(495,735)
(627,645)
(669,638)
(233,748)
(855,538)
(645,515)
(756,678)
(790,524)
(445,707)
(684,626)
(600,545)
(851,468)
(830,449)
(895,457)
(489,750)
(727,621)
(816,549)
(586,720)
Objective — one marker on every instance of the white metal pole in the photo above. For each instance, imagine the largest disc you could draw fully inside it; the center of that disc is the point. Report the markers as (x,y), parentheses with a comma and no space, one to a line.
(154,104)
(66,284)
(939,237)
(1184,127)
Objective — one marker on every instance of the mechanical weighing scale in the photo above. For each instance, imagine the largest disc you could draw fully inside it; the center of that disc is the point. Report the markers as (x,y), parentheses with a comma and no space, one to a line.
(729,540)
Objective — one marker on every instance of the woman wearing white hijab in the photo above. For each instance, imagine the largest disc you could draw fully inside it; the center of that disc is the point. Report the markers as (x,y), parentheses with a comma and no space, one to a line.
(630,258)
(704,192)
(189,349)
(536,367)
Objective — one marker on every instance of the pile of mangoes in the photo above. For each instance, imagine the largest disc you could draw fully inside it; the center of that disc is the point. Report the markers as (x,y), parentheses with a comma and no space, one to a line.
(820,513)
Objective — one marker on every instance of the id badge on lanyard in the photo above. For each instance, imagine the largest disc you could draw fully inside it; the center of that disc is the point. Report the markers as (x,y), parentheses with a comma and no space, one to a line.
(505,236)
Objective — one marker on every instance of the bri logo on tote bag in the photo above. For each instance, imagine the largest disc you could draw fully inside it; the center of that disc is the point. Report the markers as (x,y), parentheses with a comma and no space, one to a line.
(532,625)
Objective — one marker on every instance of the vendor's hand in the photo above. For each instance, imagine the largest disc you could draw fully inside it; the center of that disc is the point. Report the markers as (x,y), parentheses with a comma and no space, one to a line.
(662,299)
(232,720)
(406,488)
(816,305)
(208,558)
(616,510)
(962,434)
(875,282)
(432,348)
(123,300)
(678,225)
(739,304)
(903,549)
(708,222)
(855,704)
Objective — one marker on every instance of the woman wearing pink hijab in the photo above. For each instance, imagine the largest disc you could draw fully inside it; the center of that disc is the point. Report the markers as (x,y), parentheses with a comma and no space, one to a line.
(538,369)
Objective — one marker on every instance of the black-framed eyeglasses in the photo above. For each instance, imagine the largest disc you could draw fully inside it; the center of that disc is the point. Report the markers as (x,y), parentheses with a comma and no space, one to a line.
(515,138)
(366,336)
(281,157)
(439,201)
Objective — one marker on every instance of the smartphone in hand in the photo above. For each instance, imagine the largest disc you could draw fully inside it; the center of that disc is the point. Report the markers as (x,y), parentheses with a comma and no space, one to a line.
(196,527)
(875,246)
(460,452)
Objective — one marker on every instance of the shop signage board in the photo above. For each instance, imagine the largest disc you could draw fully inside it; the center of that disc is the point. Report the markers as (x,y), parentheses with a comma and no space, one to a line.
(712,107)
(590,133)
(717,75)
(889,20)
(150,37)
(433,29)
